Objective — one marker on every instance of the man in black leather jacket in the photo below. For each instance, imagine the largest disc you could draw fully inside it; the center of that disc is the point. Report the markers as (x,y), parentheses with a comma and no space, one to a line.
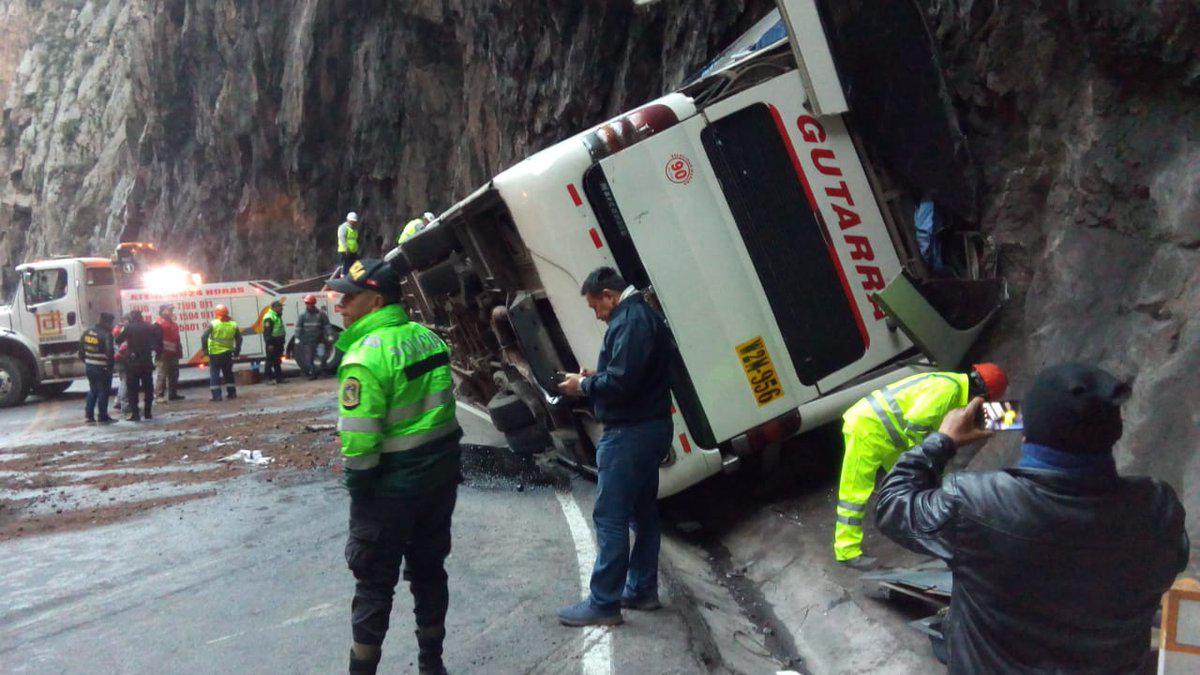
(1059,563)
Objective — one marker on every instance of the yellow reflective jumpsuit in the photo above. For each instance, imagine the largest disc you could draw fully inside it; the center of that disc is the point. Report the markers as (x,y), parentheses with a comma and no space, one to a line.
(877,429)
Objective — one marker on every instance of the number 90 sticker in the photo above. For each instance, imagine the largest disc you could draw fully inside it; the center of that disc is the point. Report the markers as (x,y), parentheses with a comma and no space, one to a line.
(760,372)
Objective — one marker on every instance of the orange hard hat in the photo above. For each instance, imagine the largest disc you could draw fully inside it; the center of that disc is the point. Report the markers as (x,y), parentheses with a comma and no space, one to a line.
(310,299)
(221,310)
(993,378)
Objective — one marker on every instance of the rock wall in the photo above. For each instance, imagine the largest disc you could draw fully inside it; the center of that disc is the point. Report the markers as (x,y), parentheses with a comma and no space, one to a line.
(1086,120)
(237,133)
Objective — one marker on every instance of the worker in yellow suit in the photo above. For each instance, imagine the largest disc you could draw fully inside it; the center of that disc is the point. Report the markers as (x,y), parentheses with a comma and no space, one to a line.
(886,423)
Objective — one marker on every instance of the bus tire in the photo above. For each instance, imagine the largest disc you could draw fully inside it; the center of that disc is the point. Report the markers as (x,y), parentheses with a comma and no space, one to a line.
(439,280)
(14,381)
(509,413)
(429,246)
(530,440)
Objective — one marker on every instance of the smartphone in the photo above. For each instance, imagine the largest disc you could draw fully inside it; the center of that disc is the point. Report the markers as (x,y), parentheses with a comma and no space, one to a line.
(1002,416)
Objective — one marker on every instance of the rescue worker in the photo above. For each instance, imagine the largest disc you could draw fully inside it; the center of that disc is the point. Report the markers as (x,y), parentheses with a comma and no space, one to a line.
(312,330)
(166,381)
(888,422)
(412,227)
(1059,563)
(630,392)
(119,363)
(222,343)
(144,342)
(96,352)
(274,335)
(347,235)
(401,462)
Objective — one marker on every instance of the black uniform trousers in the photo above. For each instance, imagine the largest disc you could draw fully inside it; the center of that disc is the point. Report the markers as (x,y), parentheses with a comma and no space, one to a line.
(386,531)
(139,377)
(275,348)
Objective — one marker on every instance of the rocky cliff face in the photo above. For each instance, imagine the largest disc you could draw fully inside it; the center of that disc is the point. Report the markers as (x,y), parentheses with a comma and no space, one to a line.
(237,133)
(1086,120)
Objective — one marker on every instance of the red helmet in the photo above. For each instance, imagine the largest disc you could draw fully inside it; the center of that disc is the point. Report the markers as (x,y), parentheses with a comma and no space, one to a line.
(221,310)
(310,299)
(993,378)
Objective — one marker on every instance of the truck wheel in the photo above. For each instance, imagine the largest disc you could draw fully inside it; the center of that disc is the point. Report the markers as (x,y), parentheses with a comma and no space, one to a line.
(531,440)
(439,280)
(51,390)
(509,413)
(14,381)
(429,246)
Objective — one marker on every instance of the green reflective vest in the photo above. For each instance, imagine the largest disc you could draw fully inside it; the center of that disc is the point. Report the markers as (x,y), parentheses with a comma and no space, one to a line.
(349,242)
(277,329)
(396,406)
(410,229)
(223,337)
(912,408)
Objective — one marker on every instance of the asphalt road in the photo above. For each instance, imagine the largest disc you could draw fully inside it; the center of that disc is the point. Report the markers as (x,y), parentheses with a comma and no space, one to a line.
(252,580)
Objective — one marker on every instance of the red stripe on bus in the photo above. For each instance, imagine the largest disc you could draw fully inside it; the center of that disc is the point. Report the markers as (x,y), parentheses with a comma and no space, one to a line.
(687,447)
(596,238)
(574,194)
(812,202)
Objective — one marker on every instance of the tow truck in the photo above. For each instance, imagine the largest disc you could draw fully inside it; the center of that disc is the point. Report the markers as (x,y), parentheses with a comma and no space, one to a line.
(766,209)
(60,297)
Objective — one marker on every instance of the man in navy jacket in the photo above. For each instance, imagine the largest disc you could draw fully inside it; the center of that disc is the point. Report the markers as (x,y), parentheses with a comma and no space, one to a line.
(631,397)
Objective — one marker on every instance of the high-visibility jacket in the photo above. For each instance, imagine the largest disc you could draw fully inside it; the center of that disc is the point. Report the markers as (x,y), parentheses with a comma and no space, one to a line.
(222,337)
(396,406)
(277,329)
(877,429)
(311,326)
(96,347)
(411,228)
(907,411)
(347,238)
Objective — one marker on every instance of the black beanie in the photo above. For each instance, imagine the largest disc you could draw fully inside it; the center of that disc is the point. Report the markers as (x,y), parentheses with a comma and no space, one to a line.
(1075,408)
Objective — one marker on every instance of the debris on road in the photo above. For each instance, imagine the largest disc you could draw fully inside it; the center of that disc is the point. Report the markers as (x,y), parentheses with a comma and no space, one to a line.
(254,457)
(99,478)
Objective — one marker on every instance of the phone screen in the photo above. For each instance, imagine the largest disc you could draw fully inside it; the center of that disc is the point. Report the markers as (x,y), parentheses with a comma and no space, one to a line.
(1003,416)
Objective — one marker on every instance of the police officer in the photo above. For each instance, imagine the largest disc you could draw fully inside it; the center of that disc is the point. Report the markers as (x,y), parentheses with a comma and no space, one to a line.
(888,422)
(274,335)
(144,342)
(222,343)
(347,236)
(312,329)
(96,351)
(401,461)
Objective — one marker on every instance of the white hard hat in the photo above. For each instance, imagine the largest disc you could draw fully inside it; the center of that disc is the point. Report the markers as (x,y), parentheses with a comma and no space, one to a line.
(352,217)
(428,216)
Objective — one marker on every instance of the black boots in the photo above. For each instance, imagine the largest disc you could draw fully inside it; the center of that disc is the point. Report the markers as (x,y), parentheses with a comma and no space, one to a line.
(429,641)
(364,659)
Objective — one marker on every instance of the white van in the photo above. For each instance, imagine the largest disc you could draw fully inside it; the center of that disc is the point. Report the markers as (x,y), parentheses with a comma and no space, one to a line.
(745,208)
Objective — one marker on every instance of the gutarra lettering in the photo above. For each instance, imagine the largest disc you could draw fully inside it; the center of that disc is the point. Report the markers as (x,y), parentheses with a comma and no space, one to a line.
(841,202)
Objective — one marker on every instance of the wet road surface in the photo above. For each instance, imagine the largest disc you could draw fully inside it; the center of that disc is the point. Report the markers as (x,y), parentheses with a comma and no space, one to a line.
(251,578)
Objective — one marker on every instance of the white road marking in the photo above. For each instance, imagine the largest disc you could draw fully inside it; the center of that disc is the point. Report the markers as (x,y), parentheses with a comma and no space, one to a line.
(475,411)
(597,640)
(225,637)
